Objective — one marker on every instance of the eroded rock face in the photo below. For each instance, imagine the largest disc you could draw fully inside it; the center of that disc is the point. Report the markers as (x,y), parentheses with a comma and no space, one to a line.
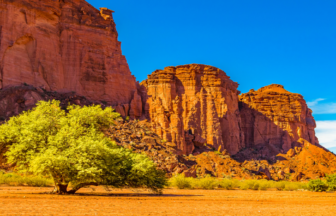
(192,105)
(16,99)
(64,46)
(276,118)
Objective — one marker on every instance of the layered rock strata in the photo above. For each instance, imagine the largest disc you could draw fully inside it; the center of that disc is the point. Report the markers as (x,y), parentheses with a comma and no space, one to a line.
(65,46)
(193,105)
(275,117)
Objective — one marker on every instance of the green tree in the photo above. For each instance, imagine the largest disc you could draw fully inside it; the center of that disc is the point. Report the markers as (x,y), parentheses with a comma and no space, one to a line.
(70,148)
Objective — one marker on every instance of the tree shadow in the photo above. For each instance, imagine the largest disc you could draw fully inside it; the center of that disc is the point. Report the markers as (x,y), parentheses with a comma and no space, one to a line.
(95,194)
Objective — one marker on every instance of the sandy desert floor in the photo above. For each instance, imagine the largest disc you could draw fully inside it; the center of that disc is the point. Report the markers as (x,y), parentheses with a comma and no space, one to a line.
(33,201)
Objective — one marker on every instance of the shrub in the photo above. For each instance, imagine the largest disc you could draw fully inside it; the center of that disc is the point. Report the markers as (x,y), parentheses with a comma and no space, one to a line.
(292,186)
(317,185)
(13,179)
(181,182)
(247,185)
(331,181)
(38,181)
(207,183)
(264,184)
(226,184)
(280,185)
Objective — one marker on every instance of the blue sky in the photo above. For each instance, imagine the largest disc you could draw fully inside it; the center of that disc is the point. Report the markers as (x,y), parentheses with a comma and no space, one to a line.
(257,43)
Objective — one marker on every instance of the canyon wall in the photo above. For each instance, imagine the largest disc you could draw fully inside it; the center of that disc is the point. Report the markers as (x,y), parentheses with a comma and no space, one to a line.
(65,46)
(193,105)
(273,115)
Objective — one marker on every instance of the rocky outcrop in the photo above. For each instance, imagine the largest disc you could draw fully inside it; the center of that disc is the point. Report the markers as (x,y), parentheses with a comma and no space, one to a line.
(64,46)
(196,105)
(275,118)
(193,105)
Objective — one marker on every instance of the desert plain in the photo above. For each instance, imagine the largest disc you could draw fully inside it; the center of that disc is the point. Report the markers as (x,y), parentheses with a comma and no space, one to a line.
(98,201)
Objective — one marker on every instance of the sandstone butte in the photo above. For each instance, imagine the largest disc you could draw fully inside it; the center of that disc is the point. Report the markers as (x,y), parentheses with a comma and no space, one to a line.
(65,46)
(193,105)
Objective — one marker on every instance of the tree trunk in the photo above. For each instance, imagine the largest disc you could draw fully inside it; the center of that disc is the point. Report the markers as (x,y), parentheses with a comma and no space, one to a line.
(60,189)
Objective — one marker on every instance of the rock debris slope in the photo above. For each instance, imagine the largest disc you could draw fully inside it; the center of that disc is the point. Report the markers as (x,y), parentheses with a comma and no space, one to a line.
(300,163)
(65,46)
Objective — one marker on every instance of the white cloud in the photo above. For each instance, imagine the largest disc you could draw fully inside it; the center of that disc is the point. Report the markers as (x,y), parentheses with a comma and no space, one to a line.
(315,102)
(326,133)
(322,108)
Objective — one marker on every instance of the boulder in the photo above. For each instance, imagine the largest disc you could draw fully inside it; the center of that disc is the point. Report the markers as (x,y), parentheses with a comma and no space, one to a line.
(149,140)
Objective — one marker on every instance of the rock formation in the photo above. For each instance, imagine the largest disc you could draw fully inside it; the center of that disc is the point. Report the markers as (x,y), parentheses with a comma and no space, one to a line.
(276,117)
(193,105)
(65,46)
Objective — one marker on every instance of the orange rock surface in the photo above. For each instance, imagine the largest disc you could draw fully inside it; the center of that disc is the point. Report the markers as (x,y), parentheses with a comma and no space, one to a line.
(277,118)
(192,105)
(64,46)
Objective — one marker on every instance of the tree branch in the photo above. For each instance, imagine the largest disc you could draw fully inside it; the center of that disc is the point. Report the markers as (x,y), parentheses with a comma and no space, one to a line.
(81,185)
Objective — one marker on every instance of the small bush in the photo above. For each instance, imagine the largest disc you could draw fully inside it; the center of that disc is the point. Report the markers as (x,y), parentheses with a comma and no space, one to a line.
(317,185)
(207,183)
(292,186)
(13,179)
(38,181)
(280,185)
(331,181)
(226,184)
(264,184)
(181,182)
(247,185)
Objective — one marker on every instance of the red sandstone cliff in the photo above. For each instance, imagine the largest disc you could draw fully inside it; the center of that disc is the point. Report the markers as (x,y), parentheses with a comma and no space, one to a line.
(277,117)
(65,46)
(192,105)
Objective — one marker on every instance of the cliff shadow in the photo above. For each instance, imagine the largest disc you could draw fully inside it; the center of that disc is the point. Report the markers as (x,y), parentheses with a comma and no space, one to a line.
(264,139)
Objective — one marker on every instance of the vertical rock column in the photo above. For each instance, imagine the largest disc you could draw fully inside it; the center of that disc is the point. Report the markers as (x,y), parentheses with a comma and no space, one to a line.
(188,105)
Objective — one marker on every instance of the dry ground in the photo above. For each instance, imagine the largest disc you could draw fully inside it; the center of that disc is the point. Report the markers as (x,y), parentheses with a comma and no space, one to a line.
(32,201)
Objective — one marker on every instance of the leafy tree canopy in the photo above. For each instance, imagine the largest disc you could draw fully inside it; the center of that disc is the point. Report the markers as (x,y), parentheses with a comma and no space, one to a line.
(70,148)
